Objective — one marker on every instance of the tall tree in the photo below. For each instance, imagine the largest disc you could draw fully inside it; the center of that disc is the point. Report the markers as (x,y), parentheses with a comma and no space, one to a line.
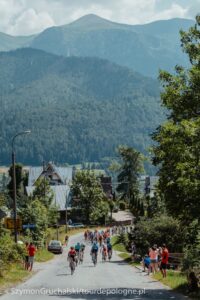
(131,167)
(89,195)
(19,179)
(43,192)
(177,140)
(36,213)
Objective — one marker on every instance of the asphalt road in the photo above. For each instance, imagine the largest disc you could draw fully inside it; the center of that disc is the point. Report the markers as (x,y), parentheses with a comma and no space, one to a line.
(108,280)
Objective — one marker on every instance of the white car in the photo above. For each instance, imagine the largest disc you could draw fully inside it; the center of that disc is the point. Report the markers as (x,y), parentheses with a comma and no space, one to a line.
(76,225)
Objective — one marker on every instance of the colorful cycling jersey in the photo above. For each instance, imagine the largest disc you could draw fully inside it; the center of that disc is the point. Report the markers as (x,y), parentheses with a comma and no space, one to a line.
(104,248)
(82,247)
(72,253)
(108,241)
(109,246)
(95,248)
(78,247)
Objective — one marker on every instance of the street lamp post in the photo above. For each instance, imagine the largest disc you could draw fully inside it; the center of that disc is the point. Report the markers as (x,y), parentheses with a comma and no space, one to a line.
(14,182)
(57,233)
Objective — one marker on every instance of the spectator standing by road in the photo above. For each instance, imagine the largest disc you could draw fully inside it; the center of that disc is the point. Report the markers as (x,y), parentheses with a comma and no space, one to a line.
(153,254)
(164,260)
(146,262)
(31,251)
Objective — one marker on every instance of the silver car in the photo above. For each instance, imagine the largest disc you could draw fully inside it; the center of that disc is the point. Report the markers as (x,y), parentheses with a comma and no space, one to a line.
(55,247)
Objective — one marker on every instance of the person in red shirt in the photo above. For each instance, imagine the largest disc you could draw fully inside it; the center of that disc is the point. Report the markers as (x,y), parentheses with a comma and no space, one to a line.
(164,260)
(31,252)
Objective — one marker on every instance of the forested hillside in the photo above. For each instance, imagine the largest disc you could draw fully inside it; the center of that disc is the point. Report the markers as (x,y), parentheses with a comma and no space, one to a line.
(78,109)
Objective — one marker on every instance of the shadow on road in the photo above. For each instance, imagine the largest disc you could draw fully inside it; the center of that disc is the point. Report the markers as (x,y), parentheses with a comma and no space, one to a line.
(118,294)
(89,266)
(65,274)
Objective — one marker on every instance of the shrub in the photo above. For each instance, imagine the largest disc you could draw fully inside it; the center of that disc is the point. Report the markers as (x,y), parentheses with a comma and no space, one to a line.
(9,252)
(191,255)
(158,230)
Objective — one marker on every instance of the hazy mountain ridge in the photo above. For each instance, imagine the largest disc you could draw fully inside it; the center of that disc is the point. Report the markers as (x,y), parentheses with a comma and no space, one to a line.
(144,48)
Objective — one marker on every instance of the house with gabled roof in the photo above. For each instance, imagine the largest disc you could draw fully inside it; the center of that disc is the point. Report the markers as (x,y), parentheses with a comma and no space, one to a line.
(60,180)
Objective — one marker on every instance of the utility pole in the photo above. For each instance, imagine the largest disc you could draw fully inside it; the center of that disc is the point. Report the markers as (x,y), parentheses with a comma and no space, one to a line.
(14,196)
(57,233)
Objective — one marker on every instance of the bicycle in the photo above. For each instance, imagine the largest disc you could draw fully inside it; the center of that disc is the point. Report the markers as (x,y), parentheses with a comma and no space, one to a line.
(109,255)
(72,265)
(81,257)
(94,258)
(76,259)
(104,255)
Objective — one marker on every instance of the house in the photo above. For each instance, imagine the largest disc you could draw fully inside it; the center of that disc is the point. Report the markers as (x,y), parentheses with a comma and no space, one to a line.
(60,180)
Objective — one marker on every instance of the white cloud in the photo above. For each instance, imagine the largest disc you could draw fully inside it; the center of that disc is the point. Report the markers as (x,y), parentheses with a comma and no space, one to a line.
(175,11)
(9,9)
(31,21)
(20,17)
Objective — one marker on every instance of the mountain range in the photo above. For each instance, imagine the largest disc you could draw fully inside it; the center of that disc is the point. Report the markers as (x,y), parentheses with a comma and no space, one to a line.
(143,48)
(84,88)
(78,109)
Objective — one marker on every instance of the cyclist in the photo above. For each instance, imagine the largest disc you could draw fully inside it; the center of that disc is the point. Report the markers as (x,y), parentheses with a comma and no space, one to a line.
(66,239)
(104,252)
(109,248)
(94,252)
(91,236)
(108,240)
(77,248)
(72,253)
(100,240)
(81,254)
(72,258)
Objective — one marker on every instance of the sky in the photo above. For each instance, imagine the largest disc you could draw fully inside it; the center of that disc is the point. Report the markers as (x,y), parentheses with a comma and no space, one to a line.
(26,17)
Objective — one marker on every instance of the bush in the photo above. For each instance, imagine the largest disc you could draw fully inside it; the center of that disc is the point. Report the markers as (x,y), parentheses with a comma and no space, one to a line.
(191,256)
(158,230)
(9,252)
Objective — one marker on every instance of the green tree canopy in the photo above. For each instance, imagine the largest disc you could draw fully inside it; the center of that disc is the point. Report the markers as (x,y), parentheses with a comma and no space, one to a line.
(131,167)
(177,140)
(89,196)
(43,191)
(36,213)
(19,179)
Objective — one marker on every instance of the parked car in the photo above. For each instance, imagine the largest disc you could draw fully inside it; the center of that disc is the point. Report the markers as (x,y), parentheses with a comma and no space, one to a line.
(76,225)
(55,247)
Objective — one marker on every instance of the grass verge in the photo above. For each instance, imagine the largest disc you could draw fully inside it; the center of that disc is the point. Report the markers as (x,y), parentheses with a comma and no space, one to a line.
(13,275)
(125,255)
(117,245)
(127,258)
(43,255)
(175,280)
